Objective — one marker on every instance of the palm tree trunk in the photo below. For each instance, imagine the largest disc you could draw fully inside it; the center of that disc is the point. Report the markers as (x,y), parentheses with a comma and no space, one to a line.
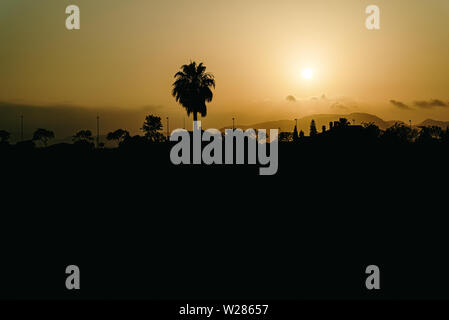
(195,119)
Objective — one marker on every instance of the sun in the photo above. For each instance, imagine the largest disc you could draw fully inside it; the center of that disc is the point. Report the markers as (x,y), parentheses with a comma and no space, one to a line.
(307,73)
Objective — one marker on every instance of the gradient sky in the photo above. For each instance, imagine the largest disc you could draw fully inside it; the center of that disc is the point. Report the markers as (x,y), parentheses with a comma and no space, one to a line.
(126,54)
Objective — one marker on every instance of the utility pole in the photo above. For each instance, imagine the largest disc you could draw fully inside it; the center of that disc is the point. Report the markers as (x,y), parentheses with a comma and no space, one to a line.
(233,127)
(410,121)
(21,127)
(98,131)
(168,129)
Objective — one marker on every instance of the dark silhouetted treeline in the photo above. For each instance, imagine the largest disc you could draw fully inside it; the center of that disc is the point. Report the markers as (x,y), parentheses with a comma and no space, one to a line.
(341,200)
(338,132)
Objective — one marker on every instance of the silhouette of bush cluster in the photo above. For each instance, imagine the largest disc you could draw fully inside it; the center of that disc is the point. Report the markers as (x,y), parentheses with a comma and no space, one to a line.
(343,131)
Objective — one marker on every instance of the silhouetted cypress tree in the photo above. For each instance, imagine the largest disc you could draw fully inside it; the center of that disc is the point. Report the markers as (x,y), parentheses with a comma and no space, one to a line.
(295,135)
(313,131)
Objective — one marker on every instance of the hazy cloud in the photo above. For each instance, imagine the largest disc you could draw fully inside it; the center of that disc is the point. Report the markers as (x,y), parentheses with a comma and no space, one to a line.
(324,103)
(430,103)
(338,106)
(322,97)
(290,98)
(400,105)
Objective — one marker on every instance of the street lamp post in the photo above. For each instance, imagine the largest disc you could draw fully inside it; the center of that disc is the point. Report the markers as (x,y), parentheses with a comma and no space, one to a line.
(98,131)
(21,127)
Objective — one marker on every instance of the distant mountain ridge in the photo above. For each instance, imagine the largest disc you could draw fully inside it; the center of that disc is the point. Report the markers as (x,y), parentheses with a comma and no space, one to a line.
(431,123)
(324,119)
(320,120)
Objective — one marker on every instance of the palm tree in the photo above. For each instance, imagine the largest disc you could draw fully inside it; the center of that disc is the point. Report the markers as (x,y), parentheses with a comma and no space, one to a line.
(118,135)
(192,88)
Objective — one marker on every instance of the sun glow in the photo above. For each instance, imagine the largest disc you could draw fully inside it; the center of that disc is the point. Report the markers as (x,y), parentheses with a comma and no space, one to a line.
(307,73)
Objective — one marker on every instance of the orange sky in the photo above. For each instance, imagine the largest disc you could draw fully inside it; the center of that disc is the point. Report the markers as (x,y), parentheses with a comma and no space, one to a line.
(126,54)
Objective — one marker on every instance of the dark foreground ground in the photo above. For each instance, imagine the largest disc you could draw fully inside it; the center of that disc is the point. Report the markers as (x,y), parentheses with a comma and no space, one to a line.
(139,227)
